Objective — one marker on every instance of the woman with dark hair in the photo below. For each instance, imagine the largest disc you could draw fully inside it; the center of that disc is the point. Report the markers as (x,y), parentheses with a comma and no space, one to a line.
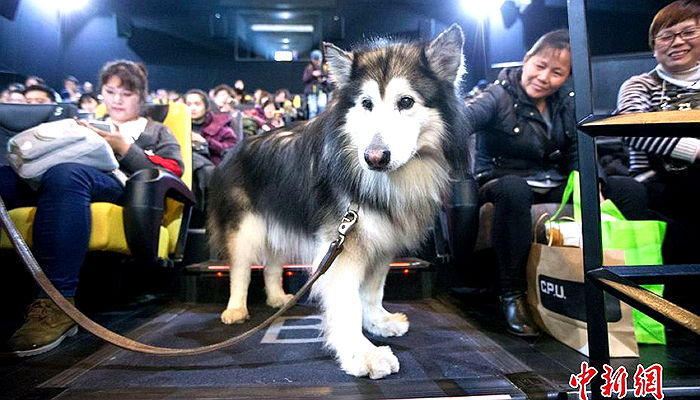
(224,98)
(212,135)
(209,129)
(525,150)
(88,102)
(668,166)
(283,101)
(62,223)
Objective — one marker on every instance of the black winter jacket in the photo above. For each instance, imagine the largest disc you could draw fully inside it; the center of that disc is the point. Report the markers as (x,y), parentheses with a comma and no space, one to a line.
(512,134)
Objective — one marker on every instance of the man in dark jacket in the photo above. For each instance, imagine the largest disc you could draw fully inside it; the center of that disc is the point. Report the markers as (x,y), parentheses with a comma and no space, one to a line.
(315,80)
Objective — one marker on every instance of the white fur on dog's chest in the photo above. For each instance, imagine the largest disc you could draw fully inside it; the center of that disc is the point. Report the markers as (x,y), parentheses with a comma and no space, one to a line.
(383,233)
(412,196)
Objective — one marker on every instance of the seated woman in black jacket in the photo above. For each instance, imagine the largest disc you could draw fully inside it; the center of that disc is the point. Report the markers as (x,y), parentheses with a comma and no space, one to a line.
(525,149)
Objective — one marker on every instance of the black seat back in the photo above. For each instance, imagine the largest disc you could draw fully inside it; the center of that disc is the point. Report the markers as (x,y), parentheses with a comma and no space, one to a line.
(156,112)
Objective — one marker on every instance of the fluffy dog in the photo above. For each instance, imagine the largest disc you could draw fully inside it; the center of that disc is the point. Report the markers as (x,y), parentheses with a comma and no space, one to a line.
(390,141)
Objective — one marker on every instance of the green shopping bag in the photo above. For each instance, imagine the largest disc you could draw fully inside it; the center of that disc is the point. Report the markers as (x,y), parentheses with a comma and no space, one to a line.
(641,242)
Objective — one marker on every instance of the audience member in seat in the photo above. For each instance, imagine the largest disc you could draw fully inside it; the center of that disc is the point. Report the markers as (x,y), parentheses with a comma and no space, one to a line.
(273,116)
(212,135)
(209,129)
(668,166)
(525,150)
(71,91)
(260,97)
(87,87)
(283,101)
(224,98)
(35,80)
(62,222)
(88,102)
(15,97)
(239,92)
(39,94)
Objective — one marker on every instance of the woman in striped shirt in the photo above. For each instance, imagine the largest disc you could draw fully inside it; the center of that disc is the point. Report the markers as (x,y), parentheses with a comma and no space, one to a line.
(668,165)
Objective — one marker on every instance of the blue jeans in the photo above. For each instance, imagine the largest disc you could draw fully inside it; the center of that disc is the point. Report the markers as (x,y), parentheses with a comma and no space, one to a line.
(316,103)
(62,223)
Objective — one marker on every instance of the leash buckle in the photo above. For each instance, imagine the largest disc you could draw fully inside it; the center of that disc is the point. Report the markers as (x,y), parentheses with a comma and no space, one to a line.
(346,224)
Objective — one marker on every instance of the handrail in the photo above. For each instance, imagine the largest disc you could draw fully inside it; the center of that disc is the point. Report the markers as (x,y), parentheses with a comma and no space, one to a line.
(642,299)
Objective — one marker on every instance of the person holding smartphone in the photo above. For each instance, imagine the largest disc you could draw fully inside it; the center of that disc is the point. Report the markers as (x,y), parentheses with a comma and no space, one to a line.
(62,223)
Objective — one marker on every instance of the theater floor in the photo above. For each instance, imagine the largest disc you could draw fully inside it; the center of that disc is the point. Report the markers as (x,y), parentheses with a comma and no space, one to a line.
(456,347)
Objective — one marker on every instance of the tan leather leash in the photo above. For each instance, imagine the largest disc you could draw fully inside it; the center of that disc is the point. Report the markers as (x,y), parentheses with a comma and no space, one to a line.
(335,248)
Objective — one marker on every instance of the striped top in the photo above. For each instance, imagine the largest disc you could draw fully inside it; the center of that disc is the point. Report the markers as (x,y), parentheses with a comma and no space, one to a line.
(648,92)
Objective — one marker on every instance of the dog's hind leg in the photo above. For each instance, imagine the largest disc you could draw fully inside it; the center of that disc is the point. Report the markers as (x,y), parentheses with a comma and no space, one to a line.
(243,247)
(276,297)
(339,292)
(375,319)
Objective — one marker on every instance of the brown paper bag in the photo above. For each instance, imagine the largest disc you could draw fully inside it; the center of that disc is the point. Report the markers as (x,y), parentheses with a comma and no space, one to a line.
(556,298)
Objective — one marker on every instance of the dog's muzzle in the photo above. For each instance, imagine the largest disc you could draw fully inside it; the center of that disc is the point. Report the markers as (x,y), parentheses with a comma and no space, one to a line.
(378,158)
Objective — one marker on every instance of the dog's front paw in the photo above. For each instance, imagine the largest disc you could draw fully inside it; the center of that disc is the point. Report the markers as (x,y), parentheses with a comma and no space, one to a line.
(279,301)
(376,362)
(395,324)
(234,315)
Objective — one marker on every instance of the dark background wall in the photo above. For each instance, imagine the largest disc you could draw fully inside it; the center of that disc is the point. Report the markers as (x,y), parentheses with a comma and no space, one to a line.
(183,47)
(615,27)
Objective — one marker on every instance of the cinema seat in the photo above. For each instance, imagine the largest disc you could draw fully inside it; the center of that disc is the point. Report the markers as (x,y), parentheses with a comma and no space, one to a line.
(152,225)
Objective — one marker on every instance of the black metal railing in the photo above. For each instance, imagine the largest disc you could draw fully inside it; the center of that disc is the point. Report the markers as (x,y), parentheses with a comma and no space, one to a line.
(617,281)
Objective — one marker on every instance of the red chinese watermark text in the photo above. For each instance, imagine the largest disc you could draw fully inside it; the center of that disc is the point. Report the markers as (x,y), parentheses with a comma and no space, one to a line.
(646,381)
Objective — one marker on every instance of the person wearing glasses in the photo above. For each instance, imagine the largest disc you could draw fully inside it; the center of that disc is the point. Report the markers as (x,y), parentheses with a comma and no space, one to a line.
(62,224)
(668,166)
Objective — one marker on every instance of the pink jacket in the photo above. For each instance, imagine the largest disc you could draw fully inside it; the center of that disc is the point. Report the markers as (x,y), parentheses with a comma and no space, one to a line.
(219,134)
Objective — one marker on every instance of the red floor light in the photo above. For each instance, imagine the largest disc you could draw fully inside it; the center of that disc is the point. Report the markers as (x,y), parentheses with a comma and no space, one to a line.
(256,267)
(398,264)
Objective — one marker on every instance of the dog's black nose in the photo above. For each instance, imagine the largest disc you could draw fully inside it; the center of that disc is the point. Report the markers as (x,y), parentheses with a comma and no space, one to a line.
(377,158)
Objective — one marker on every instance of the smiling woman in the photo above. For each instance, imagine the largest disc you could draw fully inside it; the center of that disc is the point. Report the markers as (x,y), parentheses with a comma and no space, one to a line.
(668,165)
(525,149)
(545,68)
(674,36)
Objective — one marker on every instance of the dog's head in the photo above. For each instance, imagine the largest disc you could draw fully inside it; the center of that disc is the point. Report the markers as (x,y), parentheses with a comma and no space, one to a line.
(395,95)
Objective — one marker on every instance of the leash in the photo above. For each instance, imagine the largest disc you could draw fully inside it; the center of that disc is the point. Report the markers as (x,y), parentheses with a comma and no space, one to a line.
(30,263)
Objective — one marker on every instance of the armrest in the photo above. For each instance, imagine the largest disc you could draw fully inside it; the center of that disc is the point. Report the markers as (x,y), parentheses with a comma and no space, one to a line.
(144,203)
(463,218)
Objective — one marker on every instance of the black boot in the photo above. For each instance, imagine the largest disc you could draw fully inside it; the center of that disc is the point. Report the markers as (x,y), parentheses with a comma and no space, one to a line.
(518,319)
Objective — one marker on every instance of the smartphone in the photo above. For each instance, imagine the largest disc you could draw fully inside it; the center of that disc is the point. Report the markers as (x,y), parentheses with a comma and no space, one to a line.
(101,125)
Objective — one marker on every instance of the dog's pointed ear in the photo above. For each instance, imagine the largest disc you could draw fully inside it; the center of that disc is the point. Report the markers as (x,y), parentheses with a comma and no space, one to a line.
(445,54)
(339,63)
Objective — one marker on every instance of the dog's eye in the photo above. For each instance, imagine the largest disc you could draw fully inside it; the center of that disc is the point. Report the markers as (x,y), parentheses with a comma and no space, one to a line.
(367,104)
(405,103)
